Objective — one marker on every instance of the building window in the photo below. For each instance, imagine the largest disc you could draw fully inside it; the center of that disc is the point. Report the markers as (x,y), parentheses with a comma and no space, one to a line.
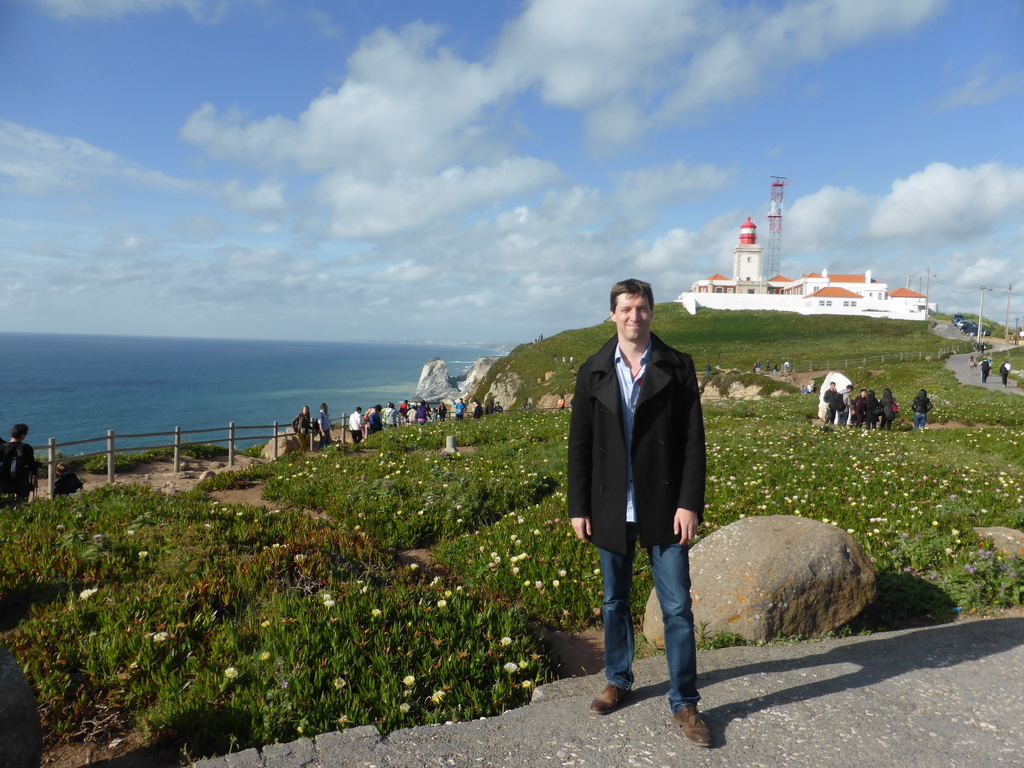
(828,303)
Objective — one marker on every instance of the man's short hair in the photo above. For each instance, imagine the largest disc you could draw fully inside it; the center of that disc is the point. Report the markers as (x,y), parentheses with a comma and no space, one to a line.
(18,431)
(632,287)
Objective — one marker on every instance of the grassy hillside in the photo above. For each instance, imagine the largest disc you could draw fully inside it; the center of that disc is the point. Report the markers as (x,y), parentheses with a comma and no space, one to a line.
(728,341)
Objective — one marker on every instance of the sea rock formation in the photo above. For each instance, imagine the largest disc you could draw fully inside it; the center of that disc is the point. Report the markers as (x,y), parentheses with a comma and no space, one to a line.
(436,383)
(773,576)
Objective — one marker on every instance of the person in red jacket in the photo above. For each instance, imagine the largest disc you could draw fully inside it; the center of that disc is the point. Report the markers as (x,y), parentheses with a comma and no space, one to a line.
(637,466)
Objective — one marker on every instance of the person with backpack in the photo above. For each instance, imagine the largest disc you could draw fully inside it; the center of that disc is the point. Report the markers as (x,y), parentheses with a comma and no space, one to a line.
(1004,371)
(323,421)
(889,409)
(18,465)
(920,407)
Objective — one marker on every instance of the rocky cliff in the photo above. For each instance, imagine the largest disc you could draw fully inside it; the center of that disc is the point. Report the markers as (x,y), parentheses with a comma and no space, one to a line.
(436,383)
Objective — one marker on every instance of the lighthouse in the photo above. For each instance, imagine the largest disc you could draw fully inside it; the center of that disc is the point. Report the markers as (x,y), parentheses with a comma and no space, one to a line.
(747,260)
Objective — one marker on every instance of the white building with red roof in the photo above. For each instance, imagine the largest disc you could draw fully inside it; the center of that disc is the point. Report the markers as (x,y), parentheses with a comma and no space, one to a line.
(812,294)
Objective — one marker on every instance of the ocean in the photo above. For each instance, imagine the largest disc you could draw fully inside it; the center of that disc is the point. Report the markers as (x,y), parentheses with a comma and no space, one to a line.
(76,387)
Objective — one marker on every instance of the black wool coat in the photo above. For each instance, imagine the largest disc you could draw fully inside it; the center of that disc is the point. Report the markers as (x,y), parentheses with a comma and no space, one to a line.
(669,454)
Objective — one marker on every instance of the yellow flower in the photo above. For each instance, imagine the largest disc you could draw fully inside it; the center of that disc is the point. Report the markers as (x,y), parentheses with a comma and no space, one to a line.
(409,680)
(85,594)
(264,656)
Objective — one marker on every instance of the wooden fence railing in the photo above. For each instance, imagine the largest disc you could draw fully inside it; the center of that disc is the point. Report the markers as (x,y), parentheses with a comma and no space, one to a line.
(234,435)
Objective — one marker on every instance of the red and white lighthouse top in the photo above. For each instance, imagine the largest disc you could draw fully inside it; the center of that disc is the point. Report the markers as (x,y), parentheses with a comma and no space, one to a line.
(748,232)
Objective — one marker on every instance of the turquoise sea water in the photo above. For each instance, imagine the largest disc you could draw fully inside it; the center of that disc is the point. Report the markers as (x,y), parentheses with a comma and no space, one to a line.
(73,387)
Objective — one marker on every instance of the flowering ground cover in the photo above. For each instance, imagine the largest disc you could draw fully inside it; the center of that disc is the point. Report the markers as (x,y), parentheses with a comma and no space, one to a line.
(223,626)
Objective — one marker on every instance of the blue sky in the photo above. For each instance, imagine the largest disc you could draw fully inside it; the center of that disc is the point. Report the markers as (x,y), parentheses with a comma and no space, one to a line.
(385,169)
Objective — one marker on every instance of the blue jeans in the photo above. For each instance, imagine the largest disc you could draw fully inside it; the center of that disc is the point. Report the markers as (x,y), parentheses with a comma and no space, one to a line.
(920,419)
(670,567)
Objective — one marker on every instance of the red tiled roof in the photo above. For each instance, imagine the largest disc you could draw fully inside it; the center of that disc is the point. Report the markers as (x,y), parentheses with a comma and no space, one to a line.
(834,293)
(906,293)
(849,279)
(717,276)
(780,279)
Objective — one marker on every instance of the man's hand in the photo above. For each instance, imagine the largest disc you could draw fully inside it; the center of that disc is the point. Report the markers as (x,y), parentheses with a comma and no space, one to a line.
(582,527)
(684,525)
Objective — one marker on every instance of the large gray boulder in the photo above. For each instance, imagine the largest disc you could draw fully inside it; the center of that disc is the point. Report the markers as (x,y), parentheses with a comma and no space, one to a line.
(21,736)
(774,576)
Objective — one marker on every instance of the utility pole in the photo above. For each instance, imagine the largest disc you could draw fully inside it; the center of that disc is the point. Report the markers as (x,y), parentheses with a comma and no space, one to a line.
(981,313)
(927,293)
(1007,323)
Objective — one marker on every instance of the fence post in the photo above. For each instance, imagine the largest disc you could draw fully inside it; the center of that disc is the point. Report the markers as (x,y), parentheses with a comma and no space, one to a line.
(231,444)
(110,456)
(177,450)
(51,459)
(275,440)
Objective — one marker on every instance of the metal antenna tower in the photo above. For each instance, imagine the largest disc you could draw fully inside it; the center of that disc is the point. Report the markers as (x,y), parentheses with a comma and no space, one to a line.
(775,226)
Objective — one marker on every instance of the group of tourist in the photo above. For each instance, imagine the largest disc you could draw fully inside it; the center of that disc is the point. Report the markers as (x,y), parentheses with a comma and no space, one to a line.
(986,364)
(867,411)
(379,417)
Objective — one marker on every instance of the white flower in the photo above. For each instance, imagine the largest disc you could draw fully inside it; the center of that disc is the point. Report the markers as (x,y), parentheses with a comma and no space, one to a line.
(442,603)
(506,641)
(143,554)
(160,637)
(511,667)
(409,680)
(339,683)
(230,673)
(85,594)
(404,707)
(329,603)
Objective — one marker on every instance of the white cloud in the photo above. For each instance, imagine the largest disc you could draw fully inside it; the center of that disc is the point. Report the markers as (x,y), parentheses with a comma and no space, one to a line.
(667,184)
(265,198)
(37,163)
(943,202)
(654,63)
(407,105)
(985,87)
(207,11)
(363,209)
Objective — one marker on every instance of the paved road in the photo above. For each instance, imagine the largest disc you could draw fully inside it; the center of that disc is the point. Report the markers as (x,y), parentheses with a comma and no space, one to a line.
(958,365)
(949,696)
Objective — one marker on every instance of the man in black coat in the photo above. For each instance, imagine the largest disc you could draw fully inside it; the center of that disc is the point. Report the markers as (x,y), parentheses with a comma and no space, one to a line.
(637,465)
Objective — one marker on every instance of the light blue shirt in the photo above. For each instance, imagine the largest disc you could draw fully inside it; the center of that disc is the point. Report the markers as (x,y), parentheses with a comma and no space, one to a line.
(629,391)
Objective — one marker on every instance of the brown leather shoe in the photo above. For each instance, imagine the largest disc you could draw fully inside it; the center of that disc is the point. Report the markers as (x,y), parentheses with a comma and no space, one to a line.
(694,728)
(610,699)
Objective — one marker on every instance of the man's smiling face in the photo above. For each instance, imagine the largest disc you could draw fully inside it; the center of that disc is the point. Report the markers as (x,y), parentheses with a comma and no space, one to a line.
(632,318)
